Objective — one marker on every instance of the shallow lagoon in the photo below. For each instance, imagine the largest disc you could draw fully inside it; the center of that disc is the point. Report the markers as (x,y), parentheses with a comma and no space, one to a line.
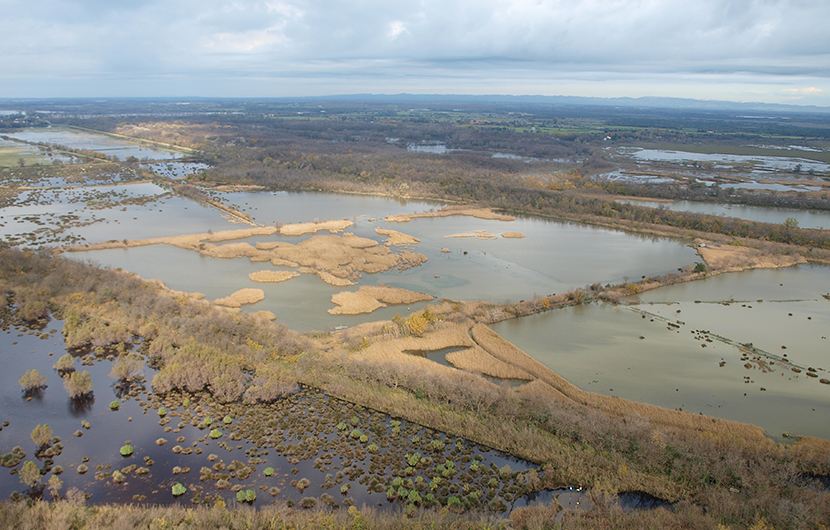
(599,348)
(551,258)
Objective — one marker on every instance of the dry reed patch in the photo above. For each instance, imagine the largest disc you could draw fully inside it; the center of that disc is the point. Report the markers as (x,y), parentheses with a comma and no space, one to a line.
(265,315)
(271,245)
(345,257)
(241,297)
(478,213)
(512,235)
(613,406)
(397,239)
(477,360)
(727,258)
(328,278)
(369,298)
(300,229)
(272,276)
(232,251)
(473,236)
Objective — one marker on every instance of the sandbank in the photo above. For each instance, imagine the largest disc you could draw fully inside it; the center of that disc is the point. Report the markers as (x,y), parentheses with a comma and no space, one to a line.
(241,297)
(272,276)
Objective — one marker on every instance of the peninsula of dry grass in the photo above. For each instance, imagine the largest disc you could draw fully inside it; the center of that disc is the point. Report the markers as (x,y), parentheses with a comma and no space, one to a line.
(397,239)
(241,297)
(473,236)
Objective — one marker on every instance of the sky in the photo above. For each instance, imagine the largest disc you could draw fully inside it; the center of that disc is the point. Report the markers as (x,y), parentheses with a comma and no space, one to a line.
(774,51)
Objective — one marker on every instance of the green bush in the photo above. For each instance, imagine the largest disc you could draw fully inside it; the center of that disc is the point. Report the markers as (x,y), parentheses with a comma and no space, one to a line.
(215,433)
(114,405)
(32,380)
(126,450)
(268,471)
(178,489)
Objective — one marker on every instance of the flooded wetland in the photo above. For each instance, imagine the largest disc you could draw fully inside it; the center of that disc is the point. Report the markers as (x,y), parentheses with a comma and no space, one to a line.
(351,272)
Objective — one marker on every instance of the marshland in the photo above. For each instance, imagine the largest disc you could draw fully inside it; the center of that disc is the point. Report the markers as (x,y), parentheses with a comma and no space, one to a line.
(294,327)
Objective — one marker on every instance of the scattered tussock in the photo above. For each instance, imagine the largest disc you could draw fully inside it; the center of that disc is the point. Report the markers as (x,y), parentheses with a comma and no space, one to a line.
(241,297)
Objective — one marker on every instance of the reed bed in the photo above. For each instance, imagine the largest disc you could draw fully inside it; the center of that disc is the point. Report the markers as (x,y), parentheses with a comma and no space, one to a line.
(300,229)
(241,297)
(397,239)
(369,298)
(512,235)
(268,276)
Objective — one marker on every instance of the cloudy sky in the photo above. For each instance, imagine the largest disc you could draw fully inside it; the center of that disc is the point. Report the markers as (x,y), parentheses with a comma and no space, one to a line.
(739,50)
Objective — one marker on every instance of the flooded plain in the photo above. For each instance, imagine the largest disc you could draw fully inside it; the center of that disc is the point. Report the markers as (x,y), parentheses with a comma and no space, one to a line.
(819,219)
(79,139)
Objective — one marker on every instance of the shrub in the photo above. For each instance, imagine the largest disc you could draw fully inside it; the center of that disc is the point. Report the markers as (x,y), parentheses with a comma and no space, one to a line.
(32,380)
(115,405)
(78,384)
(268,471)
(308,502)
(42,435)
(215,433)
(178,489)
(29,474)
(126,367)
(126,450)
(65,363)
(162,412)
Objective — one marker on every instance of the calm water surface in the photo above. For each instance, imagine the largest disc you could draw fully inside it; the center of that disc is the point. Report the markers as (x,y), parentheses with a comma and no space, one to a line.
(599,347)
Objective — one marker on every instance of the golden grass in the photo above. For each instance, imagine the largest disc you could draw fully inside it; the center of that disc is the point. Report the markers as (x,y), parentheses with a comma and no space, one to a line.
(450,336)
(369,298)
(512,235)
(397,239)
(613,406)
(241,297)
(300,229)
(272,276)
(476,359)
(478,213)
(329,278)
